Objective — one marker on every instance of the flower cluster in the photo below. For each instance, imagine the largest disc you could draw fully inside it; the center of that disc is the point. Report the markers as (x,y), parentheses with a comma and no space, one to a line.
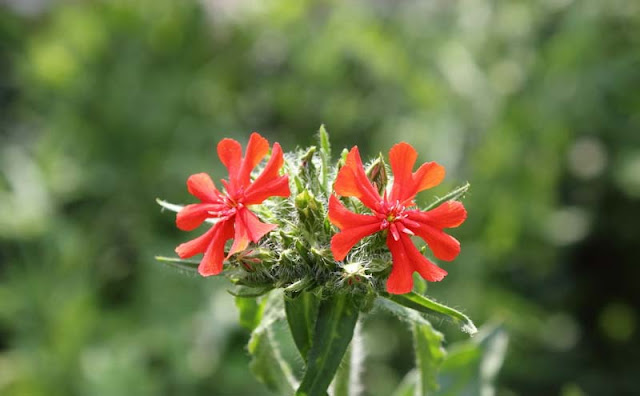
(294,243)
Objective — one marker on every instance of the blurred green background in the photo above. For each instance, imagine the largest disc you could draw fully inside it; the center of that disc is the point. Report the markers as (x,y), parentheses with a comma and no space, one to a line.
(106,105)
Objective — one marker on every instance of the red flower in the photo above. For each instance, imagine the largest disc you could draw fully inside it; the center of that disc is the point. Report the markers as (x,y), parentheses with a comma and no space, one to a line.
(393,213)
(229,208)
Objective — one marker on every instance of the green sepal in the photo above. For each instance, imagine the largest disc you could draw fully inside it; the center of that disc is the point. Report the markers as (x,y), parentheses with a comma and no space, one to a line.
(337,317)
(310,212)
(248,291)
(302,311)
(298,286)
(425,305)
(325,157)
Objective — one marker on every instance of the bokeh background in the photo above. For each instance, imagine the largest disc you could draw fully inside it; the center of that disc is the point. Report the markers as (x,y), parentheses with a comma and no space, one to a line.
(106,105)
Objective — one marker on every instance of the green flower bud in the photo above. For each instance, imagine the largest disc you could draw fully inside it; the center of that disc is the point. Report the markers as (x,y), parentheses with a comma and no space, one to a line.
(310,211)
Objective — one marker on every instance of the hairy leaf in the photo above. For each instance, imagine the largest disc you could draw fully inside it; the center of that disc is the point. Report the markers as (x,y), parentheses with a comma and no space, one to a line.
(302,312)
(425,305)
(429,356)
(267,363)
(337,317)
(187,265)
(471,366)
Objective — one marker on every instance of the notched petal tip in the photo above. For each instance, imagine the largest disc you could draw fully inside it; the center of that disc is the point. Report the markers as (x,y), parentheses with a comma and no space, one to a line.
(202,187)
(428,175)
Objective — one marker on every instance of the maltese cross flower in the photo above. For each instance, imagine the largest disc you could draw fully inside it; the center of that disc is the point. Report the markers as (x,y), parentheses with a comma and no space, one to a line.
(394,213)
(228,209)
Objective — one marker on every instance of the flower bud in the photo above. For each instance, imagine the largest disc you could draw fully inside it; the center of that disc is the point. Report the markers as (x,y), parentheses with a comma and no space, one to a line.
(252,259)
(377,173)
(310,211)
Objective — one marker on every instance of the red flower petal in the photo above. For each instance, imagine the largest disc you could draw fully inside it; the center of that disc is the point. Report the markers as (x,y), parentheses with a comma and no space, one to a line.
(402,157)
(278,187)
(444,246)
(406,260)
(198,245)
(352,181)
(343,241)
(268,183)
(406,185)
(248,228)
(428,175)
(213,258)
(230,153)
(201,186)
(191,216)
(450,214)
(257,149)
(400,280)
(343,218)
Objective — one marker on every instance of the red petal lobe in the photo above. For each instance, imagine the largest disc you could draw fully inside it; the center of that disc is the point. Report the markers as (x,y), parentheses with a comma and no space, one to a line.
(450,214)
(230,153)
(213,258)
(198,245)
(428,175)
(425,267)
(257,149)
(191,216)
(402,157)
(444,246)
(343,218)
(201,186)
(248,228)
(343,241)
(268,183)
(400,280)
(352,181)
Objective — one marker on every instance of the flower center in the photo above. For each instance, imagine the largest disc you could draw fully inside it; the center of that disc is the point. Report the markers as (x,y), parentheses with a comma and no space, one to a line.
(229,208)
(393,217)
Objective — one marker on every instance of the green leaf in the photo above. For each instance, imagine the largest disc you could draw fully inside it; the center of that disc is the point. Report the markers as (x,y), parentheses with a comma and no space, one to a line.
(429,356)
(453,195)
(347,381)
(186,265)
(341,381)
(407,386)
(425,305)
(302,312)
(471,366)
(267,363)
(428,347)
(337,317)
(250,311)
